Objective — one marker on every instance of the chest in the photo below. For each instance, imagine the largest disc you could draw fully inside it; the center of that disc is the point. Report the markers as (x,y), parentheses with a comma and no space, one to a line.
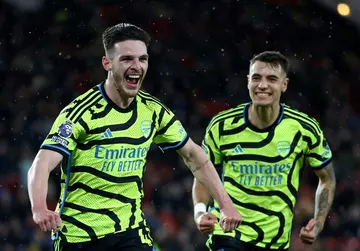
(271,146)
(131,128)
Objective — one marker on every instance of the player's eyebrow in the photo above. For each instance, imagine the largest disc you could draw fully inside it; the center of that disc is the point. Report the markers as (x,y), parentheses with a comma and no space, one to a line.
(272,76)
(267,76)
(144,56)
(133,56)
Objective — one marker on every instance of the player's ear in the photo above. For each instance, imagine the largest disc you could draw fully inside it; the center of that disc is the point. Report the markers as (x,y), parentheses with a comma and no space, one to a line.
(248,81)
(106,62)
(285,85)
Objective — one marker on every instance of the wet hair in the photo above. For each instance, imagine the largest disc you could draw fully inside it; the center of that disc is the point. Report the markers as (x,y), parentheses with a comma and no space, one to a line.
(122,32)
(274,58)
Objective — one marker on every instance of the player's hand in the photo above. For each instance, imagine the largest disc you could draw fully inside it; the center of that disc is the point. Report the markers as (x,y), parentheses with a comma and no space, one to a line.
(229,219)
(205,222)
(47,220)
(309,233)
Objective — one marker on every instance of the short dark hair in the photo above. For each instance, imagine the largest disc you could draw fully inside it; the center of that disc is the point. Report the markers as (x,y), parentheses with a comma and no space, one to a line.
(274,58)
(122,32)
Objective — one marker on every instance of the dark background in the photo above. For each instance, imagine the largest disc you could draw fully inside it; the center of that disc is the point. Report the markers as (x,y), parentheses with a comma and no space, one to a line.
(50,52)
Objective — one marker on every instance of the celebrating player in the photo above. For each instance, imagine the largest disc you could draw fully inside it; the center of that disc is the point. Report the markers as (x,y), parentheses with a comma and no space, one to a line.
(260,149)
(101,140)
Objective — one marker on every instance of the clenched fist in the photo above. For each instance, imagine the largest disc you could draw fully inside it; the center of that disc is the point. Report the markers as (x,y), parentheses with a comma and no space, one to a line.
(229,219)
(47,220)
(205,222)
(309,233)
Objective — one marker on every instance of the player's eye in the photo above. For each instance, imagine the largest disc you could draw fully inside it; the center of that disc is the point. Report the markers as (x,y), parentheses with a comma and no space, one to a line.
(273,80)
(125,59)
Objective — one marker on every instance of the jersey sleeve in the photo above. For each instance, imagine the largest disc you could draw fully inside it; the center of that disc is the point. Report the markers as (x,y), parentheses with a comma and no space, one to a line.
(319,153)
(63,135)
(170,133)
(211,144)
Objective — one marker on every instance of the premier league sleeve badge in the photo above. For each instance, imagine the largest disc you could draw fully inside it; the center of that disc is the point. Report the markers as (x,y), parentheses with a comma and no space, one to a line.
(65,129)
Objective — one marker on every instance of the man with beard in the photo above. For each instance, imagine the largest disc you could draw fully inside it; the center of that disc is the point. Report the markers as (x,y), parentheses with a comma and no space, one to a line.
(101,140)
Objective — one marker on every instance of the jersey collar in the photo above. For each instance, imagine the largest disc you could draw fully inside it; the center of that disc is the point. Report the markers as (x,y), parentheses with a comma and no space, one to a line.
(112,104)
(269,128)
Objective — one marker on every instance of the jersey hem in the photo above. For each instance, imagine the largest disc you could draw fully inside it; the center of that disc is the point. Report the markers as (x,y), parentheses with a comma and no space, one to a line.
(87,240)
(177,147)
(57,149)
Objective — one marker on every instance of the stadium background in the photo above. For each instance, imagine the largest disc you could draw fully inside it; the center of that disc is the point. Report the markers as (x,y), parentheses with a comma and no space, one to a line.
(50,51)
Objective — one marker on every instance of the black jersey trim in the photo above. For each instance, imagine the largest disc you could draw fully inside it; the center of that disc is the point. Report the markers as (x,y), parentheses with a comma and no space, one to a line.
(231,113)
(167,126)
(259,144)
(80,102)
(269,128)
(131,106)
(118,126)
(89,230)
(257,157)
(147,97)
(107,212)
(268,212)
(279,194)
(175,145)
(223,132)
(107,177)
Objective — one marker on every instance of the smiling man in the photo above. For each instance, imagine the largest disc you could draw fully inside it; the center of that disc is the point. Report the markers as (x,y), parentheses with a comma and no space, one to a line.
(260,149)
(101,140)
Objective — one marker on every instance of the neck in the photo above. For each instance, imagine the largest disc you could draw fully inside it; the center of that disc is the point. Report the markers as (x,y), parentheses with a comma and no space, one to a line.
(119,98)
(263,116)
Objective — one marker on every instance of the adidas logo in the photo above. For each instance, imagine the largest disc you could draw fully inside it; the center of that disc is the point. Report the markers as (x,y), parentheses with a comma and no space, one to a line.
(107,134)
(237,149)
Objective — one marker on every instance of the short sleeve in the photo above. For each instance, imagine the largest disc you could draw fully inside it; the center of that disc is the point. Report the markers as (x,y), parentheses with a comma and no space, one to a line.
(319,153)
(63,135)
(211,144)
(170,134)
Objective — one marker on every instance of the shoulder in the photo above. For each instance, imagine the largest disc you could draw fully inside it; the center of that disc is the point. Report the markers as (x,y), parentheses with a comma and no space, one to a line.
(78,106)
(152,102)
(306,121)
(229,115)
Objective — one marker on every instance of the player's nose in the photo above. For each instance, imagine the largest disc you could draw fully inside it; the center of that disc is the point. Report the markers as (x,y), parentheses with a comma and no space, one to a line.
(263,84)
(136,64)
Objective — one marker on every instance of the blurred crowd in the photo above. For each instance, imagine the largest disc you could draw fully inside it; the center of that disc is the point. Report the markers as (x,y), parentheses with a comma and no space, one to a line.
(50,52)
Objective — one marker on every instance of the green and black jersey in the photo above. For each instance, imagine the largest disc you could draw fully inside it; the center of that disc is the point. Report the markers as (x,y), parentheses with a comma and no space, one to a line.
(261,169)
(105,149)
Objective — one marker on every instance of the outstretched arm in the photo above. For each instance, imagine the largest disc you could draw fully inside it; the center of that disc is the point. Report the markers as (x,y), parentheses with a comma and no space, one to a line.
(200,195)
(205,221)
(204,171)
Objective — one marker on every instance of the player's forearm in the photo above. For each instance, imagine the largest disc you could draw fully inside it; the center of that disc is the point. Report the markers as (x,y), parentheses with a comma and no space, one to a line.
(200,194)
(324,197)
(204,171)
(201,198)
(38,177)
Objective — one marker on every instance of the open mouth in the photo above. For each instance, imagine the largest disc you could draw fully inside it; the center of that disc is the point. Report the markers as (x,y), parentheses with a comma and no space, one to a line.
(132,79)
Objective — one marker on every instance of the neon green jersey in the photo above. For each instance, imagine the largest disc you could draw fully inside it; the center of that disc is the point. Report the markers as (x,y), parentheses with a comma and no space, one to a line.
(105,149)
(261,169)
